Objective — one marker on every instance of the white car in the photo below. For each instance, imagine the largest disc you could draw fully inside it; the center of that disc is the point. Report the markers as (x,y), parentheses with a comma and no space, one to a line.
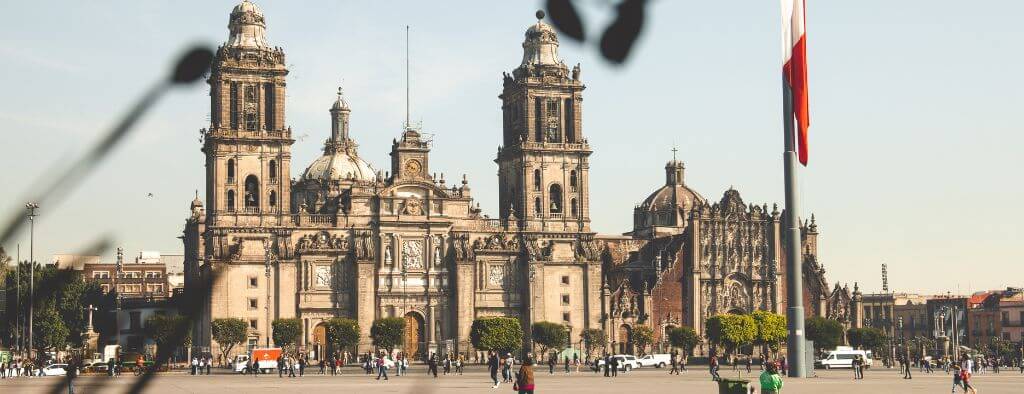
(626,362)
(55,370)
(655,360)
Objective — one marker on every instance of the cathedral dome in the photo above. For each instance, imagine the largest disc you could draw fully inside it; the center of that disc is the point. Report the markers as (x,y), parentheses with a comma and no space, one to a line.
(674,194)
(339,165)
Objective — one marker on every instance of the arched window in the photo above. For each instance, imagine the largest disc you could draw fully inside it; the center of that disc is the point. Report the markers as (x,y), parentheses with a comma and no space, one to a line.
(252,192)
(574,208)
(537,206)
(572,180)
(536,180)
(231,170)
(231,200)
(555,194)
(272,199)
(273,169)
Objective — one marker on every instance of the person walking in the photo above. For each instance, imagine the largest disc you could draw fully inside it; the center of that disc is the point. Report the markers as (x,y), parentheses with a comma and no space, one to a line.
(566,365)
(783,366)
(492,366)
(323,367)
(382,369)
(771,381)
(674,360)
(607,365)
(551,364)
(713,368)
(682,362)
(447,364)
(302,366)
(906,368)
(615,366)
(576,361)
(857,362)
(507,371)
(524,383)
(432,364)
(748,361)
(460,363)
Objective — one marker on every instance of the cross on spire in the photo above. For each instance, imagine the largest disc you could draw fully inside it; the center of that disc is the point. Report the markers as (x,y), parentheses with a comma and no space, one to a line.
(674,150)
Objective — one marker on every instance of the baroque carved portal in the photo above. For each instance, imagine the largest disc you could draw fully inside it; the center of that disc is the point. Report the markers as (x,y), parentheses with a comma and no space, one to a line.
(412,254)
(323,276)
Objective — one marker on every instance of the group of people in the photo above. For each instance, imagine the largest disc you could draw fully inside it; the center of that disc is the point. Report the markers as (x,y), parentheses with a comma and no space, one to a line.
(197,366)
(20,367)
(522,381)
(569,365)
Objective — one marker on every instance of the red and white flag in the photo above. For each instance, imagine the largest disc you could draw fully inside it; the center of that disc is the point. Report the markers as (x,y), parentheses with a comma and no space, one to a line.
(794,70)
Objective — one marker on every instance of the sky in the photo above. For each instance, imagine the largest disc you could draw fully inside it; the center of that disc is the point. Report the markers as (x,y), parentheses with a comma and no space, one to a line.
(915,145)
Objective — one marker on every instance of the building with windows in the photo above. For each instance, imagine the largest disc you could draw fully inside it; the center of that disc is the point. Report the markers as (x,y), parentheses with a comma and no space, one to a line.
(348,238)
(1011,315)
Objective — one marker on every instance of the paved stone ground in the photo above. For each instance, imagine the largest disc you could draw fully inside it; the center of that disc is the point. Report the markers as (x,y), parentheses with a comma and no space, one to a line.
(652,381)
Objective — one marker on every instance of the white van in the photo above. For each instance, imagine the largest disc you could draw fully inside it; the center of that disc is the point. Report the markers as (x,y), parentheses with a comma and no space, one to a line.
(655,360)
(843,357)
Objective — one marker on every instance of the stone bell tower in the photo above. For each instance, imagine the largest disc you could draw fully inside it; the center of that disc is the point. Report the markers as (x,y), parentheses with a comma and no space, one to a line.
(544,161)
(247,147)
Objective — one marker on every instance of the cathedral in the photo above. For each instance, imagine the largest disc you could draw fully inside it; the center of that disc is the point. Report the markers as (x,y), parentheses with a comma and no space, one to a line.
(349,239)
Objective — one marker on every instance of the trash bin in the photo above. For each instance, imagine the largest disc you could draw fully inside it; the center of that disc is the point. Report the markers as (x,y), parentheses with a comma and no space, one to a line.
(732,386)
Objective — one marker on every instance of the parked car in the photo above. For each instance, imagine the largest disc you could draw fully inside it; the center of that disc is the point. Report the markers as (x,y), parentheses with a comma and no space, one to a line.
(98,366)
(655,360)
(627,362)
(55,370)
(843,357)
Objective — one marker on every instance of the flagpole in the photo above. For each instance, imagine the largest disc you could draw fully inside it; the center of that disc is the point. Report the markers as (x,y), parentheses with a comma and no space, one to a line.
(795,342)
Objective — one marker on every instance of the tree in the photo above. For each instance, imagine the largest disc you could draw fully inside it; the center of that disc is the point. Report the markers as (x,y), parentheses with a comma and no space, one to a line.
(388,332)
(167,330)
(643,336)
(60,296)
(869,338)
(593,338)
(342,333)
(685,338)
(229,332)
(826,333)
(731,331)
(286,333)
(771,330)
(549,335)
(500,334)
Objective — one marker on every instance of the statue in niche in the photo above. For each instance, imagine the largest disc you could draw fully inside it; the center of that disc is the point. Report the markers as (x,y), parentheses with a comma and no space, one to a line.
(437,253)
(387,254)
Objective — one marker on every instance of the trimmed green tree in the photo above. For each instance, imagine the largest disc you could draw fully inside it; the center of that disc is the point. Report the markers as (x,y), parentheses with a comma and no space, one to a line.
(500,334)
(826,333)
(388,332)
(685,338)
(642,337)
(593,338)
(869,338)
(771,331)
(229,332)
(342,333)
(287,333)
(731,331)
(549,335)
(165,331)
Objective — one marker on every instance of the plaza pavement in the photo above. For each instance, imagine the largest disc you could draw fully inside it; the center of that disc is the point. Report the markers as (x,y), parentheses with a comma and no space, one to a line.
(476,380)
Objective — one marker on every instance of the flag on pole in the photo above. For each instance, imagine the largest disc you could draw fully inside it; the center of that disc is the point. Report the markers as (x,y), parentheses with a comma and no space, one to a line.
(794,70)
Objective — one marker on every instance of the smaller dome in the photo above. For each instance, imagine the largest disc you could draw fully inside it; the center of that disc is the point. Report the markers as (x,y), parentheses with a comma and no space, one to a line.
(339,103)
(247,6)
(541,44)
(196,203)
(338,166)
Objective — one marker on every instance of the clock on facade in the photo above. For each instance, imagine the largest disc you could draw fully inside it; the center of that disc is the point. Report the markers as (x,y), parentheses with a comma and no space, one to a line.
(412,168)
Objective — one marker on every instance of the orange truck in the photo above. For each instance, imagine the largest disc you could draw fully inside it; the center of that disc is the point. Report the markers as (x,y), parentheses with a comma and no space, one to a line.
(265,359)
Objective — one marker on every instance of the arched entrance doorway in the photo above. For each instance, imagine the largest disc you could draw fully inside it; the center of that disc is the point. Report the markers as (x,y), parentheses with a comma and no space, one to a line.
(413,344)
(320,345)
(625,339)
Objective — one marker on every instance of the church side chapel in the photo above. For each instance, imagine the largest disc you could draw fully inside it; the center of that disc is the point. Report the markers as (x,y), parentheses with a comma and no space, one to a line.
(348,238)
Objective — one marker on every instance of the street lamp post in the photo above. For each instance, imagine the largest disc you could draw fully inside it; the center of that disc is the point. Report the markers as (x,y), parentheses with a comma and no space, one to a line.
(32,270)
(266,272)
(118,272)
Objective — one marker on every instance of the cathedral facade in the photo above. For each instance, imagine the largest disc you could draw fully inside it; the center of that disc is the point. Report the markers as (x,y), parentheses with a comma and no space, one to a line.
(347,239)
